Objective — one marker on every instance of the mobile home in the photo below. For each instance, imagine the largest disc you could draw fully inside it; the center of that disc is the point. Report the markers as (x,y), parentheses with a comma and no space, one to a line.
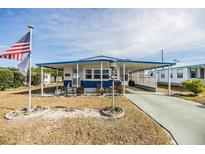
(183,71)
(92,72)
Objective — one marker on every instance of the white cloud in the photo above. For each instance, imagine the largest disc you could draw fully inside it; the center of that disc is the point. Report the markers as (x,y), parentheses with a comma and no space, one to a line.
(121,32)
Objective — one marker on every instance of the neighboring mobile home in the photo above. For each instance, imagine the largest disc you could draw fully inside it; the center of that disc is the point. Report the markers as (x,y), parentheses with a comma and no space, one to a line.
(183,71)
(47,78)
(92,72)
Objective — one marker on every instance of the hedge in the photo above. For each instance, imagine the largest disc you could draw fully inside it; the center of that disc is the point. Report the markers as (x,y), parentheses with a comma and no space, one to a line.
(19,79)
(11,77)
(6,79)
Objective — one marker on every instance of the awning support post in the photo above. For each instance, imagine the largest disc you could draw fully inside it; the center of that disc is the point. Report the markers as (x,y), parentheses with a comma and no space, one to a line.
(42,79)
(124,78)
(169,80)
(56,78)
(156,79)
(101,74)
(77,75)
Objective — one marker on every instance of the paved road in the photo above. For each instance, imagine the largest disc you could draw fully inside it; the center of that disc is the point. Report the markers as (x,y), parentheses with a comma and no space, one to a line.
(184,119)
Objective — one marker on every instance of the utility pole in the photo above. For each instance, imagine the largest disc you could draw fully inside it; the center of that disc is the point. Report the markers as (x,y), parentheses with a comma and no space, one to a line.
(162,52)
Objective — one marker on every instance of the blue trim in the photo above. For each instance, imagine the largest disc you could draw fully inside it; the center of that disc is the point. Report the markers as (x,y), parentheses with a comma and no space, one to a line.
(53,63)
(66,82)
(94,84)
(100,56)
(106,60)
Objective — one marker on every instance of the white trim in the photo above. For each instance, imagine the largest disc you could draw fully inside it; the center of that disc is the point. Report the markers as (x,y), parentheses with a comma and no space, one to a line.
(92,69)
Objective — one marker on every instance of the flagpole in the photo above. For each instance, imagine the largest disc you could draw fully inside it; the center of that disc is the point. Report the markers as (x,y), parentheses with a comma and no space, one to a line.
(30,65)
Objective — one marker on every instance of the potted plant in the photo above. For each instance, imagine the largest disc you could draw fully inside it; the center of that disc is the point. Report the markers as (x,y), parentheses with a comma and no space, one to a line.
(120,89)
(102,91)
(80,90)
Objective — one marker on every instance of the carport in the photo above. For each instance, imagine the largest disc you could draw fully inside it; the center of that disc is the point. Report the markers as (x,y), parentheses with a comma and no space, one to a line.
(93,71)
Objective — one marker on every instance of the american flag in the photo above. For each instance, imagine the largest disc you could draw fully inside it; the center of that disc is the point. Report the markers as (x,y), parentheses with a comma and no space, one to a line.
(16,51)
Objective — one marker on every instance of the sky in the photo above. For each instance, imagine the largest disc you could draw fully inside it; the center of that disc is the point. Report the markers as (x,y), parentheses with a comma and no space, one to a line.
(137,34)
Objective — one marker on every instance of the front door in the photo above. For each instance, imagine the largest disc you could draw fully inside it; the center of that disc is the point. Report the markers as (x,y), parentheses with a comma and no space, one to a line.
(75,82)
(75,78)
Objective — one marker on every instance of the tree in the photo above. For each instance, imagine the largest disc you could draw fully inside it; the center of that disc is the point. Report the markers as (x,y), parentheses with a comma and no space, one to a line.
(6,78)
(19,79)
(36,74)
(196,86)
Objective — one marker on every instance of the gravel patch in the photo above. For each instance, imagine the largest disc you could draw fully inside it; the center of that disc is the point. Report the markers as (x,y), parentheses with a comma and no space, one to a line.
(53,113)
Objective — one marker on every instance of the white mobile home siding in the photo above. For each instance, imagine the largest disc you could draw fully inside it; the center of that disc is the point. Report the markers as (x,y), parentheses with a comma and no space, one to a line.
(175,79)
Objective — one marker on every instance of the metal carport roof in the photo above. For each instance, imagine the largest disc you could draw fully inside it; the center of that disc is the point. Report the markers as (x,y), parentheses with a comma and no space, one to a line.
(131,65)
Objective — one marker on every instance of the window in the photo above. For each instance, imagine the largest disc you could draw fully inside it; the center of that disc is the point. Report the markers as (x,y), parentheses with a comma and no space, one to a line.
(74,71)
(193,72)
(201,73)
(126,77)
(171,75)
(88,74)
(67,74)
(162,74)
(105,74)
(96,74)
(179,73)
(45,76)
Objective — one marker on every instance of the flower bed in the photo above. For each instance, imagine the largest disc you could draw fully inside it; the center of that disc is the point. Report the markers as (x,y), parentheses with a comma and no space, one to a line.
(117,112)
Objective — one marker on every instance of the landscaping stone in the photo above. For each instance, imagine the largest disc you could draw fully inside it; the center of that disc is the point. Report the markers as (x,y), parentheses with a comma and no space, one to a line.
(117,112)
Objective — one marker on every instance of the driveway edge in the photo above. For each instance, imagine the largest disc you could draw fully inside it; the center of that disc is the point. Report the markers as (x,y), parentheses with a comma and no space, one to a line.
(166,130)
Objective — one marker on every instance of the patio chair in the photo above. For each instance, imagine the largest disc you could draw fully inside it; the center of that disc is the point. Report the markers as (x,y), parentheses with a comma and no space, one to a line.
(69,91)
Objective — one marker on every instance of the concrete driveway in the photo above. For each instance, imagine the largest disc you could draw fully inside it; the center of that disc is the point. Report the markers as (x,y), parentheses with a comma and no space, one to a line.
(184,119)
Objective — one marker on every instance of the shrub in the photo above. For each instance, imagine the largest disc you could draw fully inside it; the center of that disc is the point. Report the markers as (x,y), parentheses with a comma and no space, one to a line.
(6,78)
(100,90)
(80,90)
(195,86)
(2,87)
(19,79)
(35,79)
(120,89)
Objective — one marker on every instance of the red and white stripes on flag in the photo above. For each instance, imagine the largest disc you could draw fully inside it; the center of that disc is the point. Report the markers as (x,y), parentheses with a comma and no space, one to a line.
(16,51)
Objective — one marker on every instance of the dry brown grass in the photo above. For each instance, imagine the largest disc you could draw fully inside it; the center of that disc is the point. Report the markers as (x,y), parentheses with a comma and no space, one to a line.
(185,94)
(134,128)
